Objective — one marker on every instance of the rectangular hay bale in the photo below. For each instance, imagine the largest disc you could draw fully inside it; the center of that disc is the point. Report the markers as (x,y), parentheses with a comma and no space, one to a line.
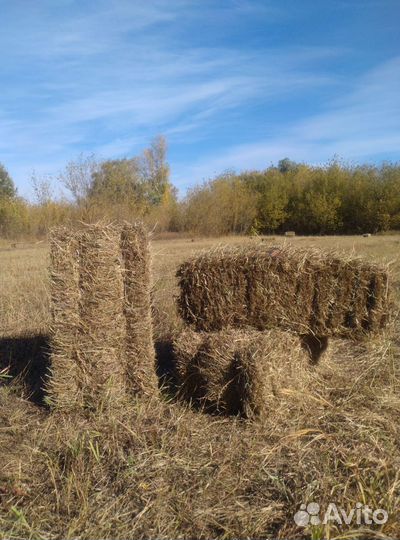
(296,289)
(101,336)
(240,372)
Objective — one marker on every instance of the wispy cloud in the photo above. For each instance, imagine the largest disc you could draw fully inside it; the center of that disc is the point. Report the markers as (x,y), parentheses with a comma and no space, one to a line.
(362,125)
(106,76)
(129,89)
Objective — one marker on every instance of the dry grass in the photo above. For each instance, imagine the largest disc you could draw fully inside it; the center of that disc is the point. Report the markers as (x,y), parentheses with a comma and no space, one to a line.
(163,470)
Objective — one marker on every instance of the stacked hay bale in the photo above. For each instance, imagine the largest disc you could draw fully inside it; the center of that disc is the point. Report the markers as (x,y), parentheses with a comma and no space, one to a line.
(243,372)
(101,333)
(304,291)
(253,291)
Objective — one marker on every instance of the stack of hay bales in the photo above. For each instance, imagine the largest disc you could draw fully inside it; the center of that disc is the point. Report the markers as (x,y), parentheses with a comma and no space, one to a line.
(101,337)
(307,294)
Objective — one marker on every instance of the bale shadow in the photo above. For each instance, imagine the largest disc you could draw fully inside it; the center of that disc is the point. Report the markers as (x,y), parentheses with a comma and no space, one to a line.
(193,391)
(25,359)
(25,362)
(315,346)
(165,367)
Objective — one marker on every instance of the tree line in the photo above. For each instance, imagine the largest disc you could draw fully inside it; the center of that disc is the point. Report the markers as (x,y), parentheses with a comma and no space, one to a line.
(336,198)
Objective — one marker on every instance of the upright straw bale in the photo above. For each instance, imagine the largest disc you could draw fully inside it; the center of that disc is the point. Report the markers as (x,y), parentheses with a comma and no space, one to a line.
(306,291)
(139,353)
(102,321)
(240,372)
(64,295)
(101,316)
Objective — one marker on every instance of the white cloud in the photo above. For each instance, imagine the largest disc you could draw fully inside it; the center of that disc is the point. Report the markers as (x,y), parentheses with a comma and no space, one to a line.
(360,126)
(106,76)
(129,89)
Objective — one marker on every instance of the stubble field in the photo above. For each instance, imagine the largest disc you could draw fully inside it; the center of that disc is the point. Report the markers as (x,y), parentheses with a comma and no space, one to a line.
(162,470)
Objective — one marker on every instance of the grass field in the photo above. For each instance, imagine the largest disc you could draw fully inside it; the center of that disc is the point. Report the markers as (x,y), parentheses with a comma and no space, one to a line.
(159,469)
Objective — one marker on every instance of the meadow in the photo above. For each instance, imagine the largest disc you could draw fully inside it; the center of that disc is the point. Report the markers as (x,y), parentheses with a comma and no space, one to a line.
(163,470)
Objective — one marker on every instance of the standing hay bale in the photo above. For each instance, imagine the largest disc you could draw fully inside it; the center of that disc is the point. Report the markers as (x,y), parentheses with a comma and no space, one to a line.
(240,372)
(301,290)
(64,387)
(140,353)
(101,316)
(98,293)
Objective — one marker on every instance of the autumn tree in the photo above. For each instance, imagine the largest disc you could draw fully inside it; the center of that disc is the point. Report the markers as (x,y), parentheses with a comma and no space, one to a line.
(116,181)
(154,170)
(7,187)
(271,189)
(77,177)
(224,205)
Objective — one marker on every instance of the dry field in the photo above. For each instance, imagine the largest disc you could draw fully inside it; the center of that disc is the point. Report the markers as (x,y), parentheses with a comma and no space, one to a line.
(161,470)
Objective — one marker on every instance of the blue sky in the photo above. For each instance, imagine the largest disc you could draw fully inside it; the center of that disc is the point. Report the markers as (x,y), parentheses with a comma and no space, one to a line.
(232,84)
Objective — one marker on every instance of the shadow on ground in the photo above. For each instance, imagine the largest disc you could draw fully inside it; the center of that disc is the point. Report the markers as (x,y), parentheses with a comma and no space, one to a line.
(24,360)
(165,366)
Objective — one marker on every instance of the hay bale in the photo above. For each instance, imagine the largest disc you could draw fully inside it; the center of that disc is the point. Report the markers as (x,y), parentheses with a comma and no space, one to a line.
(139,352)
(301,290)
(63,387)
(240,372)
(290,234)
(99,291)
